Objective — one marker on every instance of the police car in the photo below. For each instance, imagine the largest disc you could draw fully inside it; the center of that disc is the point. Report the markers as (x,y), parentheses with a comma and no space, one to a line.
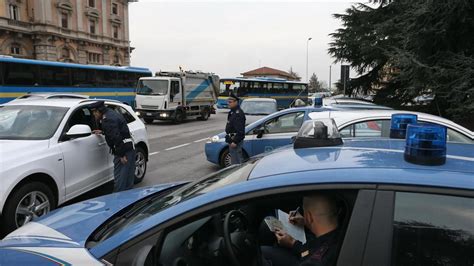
(400,202)
(49,156)
(277,130)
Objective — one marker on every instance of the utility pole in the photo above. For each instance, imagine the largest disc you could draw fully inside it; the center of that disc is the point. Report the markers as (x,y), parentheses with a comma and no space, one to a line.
(307,57)
(329,86)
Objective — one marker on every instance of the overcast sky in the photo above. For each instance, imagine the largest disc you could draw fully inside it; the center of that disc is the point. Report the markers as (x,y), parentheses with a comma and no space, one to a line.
(231,37)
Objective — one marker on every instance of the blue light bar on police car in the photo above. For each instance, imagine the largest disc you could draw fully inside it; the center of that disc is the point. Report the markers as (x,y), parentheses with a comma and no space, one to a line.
(318,102)
(318,133)
(426,144)
(399,124)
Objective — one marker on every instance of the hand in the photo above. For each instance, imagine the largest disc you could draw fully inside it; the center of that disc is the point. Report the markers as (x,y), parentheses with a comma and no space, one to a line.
(124,160)
(284,239)
(233,145)
(97,131)
(296,218)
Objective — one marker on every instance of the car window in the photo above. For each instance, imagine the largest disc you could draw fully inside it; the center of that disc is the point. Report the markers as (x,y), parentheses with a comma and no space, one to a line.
(374,128)
(454,136)
(433,230)
(119,109)
(81,116)
(285,123)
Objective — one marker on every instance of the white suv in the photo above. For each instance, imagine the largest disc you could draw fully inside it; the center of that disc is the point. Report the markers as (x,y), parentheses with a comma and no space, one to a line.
(48,155)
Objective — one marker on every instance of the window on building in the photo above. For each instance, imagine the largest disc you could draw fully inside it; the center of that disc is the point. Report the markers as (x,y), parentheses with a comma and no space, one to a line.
(94,58)
(15,49)
(115,31)
(14,12)
(114,8)
(116,59)
(64,20)
(92,26)
(65,54)
(92,3)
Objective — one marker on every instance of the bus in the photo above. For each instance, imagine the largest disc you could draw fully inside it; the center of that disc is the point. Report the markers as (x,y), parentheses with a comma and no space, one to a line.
(23,76)
(285,92)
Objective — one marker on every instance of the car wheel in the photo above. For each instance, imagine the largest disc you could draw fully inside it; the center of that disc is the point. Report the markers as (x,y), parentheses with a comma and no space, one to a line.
(148,120)
(225,160)
(140,165)
(179,117)
(205,114)
(26,203)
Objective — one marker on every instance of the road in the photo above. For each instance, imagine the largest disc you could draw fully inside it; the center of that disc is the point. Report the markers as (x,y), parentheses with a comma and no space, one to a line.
(177,150)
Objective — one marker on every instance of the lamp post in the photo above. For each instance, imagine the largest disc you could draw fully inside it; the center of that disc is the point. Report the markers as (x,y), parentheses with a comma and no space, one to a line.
(307,57)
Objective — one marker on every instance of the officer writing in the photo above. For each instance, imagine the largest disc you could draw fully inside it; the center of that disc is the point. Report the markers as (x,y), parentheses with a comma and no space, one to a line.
(321,218)
(120,142)
(235,129)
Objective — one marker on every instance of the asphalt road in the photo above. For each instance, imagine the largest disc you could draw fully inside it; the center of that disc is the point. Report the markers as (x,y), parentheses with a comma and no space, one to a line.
(177,150)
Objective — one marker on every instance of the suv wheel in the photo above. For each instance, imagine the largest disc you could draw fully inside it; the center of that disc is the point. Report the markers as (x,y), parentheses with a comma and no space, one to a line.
(140,165)
(26,203)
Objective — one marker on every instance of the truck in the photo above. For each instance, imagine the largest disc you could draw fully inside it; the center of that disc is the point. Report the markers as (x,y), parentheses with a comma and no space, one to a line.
(177,96)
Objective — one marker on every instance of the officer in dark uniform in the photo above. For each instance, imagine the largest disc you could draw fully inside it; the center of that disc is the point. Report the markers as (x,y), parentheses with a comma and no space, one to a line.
(235,129)
(321,218)
(119,139)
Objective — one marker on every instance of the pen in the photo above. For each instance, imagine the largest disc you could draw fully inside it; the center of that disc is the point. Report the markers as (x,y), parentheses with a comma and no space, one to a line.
(293,213)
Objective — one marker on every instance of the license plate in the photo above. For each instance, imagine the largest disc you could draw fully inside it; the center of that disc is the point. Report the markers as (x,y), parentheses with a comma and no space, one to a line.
(149,114)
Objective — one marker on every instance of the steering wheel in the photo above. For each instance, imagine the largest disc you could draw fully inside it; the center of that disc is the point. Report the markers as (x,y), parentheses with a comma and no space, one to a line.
(241,246)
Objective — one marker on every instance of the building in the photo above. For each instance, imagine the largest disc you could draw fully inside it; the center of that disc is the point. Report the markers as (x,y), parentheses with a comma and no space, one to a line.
(268,72)
(78,31)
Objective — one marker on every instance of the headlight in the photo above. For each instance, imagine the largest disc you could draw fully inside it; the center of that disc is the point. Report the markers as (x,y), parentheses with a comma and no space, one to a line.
(164,115)
(137,113)
(214,139)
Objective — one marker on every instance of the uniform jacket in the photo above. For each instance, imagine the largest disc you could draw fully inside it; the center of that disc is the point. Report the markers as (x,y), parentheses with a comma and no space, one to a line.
(235,125)
(116,131)
(320,251)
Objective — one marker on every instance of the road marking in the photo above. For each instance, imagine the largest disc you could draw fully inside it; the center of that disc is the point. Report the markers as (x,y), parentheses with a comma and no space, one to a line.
(154,153)
(176,147)
(199,140)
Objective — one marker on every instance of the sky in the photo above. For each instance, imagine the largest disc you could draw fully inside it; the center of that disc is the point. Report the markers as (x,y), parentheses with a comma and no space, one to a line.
(231,37)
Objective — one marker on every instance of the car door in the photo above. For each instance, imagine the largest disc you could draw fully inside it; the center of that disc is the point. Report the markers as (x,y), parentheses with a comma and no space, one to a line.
(86,159)
(276,132)
(171,244)
(419,226)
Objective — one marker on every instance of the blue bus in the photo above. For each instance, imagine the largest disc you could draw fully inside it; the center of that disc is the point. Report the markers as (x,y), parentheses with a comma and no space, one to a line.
(21,76)
(285,92)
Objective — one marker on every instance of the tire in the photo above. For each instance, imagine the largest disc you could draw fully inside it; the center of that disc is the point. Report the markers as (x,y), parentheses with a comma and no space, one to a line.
(11,219)
(148,120)
(205,114)
(140,165)
(179,117)
(224,159)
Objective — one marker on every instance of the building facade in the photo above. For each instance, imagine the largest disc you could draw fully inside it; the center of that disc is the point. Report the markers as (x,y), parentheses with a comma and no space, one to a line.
(77,31)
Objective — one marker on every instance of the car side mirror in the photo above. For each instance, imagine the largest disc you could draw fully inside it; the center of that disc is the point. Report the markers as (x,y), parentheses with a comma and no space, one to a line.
(259,132)
(293,139)
(79,131)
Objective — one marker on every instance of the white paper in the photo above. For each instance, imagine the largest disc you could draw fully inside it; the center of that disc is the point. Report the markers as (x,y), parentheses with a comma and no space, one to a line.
(297,232)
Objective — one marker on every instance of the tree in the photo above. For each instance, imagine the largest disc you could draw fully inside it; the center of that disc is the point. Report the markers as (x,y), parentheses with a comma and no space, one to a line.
(294,74)
(315,85)
(402,49)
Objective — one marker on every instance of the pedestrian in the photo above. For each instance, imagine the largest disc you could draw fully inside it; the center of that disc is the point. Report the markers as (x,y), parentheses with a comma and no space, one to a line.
(118,138)
(235,129)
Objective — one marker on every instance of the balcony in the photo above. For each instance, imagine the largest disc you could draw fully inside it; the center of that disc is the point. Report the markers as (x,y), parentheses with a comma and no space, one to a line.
(18,23)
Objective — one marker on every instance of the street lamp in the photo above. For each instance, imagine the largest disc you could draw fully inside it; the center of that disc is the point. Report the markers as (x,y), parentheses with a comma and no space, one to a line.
(307,56)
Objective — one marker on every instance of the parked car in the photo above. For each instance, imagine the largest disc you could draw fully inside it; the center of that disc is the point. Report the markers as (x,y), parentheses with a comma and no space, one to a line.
(49,156)
(376,123)
(256,108)
(351,103)
(30,96)
(389,211)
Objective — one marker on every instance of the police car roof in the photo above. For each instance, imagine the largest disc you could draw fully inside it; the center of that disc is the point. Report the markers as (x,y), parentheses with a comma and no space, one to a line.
(371,158)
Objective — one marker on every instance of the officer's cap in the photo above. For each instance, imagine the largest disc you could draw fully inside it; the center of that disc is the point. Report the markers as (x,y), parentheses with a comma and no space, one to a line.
(233,97)
(98,105)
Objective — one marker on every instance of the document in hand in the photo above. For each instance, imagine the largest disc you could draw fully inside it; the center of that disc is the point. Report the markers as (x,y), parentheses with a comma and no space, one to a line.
(283,223)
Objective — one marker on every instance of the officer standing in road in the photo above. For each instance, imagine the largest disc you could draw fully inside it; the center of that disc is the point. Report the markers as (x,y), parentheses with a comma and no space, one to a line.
(235,129)
(119,139)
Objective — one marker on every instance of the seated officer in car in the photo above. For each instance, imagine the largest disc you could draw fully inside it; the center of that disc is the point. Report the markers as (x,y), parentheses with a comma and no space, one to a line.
(120,142)
(321,218)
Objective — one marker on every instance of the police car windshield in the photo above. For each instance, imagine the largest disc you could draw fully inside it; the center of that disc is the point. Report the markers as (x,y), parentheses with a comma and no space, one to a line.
(151,206)
(152,87)
(28,122)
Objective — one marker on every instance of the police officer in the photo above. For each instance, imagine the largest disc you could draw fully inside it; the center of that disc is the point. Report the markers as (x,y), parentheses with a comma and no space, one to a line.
(321,218)
(235,129)
(118,137)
